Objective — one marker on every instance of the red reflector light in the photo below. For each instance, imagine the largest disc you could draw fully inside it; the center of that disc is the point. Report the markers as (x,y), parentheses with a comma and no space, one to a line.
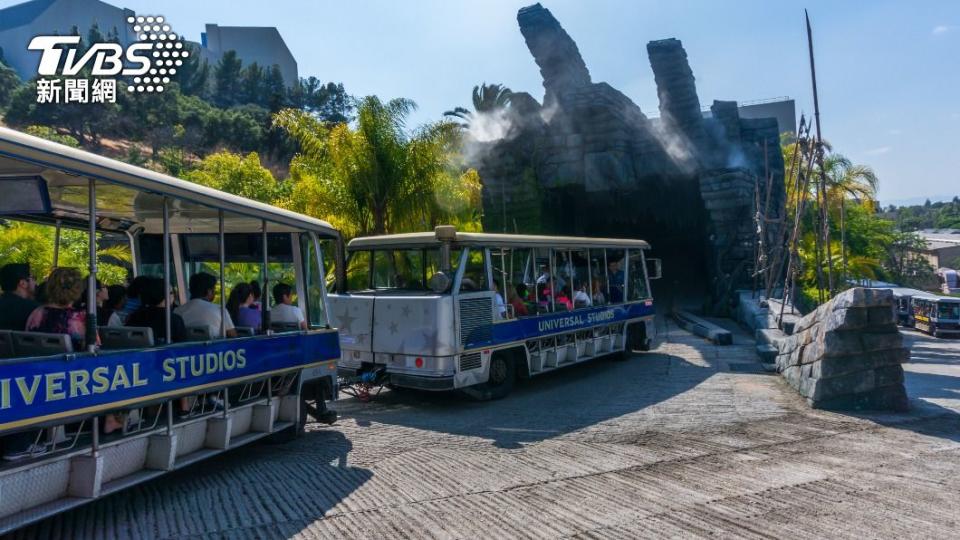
(419,362)
(486,351)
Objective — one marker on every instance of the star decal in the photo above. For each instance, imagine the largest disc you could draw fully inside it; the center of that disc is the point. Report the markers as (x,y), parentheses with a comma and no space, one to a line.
(345,320)
(405,311)
(393,328)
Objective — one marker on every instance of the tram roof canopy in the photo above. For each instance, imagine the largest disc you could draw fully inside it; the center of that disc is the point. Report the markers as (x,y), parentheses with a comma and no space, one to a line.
(129,198)
(427,239)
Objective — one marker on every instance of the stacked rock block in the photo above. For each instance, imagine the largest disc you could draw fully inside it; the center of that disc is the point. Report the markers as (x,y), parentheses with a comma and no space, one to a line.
(847,354)
(728,196)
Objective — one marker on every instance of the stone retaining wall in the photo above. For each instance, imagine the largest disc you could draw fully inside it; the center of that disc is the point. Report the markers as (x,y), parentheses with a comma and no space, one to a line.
(847,354)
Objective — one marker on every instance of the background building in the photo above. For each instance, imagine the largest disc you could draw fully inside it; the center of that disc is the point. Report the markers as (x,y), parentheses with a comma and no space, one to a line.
(21,22)
(783,109)
(943,247)
(262,45)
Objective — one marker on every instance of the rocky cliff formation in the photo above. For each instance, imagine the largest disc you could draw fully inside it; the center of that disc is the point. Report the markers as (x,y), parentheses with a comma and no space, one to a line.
(588,161)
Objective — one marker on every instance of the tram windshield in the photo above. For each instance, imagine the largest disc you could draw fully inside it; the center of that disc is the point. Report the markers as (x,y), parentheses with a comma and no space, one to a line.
(948,310)
(402,271)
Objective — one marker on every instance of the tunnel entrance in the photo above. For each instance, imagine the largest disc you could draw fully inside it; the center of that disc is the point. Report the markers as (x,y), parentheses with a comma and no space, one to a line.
(676,230)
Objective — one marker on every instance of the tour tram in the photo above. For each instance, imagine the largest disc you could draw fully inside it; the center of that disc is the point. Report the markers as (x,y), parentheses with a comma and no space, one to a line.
(449,310)
(179,402)
(938,316)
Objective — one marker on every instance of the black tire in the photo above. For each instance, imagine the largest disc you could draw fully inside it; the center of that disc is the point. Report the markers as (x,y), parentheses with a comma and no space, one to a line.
(503,375)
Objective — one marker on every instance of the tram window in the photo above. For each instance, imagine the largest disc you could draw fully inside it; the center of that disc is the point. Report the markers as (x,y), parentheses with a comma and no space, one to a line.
(313,279)
(615,275)
(358,271)
(637,288)
(598,274)
(475,272)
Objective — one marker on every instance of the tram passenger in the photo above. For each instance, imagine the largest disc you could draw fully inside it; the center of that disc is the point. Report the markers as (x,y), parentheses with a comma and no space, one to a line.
(100,298)
(200,309)
(284,311)
(133,297)
(240,306)
(58,315)
(116,299)
(257,293)
(515,297)
(562,301)
(597,296)
(498,299)
(580,298)
(152,313)
(615,277)
(16,302)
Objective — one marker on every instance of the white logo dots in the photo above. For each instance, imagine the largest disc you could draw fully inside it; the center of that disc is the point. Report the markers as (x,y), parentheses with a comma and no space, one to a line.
(166,45)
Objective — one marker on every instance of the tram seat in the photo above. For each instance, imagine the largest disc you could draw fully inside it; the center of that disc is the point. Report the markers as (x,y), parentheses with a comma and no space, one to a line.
(284,327)
(245,331)
(126,337)
(40,344)
(6,344)
(198,333)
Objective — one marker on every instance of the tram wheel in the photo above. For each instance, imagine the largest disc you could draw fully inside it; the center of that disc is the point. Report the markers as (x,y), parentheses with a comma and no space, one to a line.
(503,375)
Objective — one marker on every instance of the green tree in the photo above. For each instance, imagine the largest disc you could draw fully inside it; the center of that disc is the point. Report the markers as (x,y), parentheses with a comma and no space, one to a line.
(226,79)
(252,85)
(28,242)
(9,82)
(846,180)
(236,174)
(374,178)
(51,134)
(487,98)
(329,102)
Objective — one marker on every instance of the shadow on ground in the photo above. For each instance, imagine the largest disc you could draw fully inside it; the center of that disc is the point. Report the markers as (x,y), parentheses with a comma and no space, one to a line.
(265,489)
(545,406)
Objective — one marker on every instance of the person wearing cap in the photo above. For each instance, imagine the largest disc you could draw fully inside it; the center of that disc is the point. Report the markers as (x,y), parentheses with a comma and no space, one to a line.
(16,302)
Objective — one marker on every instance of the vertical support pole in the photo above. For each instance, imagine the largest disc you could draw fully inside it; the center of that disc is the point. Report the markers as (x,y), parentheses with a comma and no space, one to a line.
(56,244)
(95,444)
(589,277)
(223,286)
(606,272)
(265,293)
(91,331)
(553,278)
(166,270)
(324,320)
(626,274)
(170,417)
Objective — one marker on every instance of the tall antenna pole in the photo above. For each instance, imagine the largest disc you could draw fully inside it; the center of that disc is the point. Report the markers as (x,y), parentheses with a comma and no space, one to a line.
(824,195)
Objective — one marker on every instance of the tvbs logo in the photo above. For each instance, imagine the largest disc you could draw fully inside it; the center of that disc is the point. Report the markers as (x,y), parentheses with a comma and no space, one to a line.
(148,63)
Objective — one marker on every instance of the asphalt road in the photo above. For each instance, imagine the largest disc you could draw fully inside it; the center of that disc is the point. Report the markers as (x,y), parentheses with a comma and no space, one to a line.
(688,440)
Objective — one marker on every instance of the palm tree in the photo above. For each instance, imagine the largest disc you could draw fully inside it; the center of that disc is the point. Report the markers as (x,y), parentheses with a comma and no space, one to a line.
(487,98)
(846,179)
(376,177)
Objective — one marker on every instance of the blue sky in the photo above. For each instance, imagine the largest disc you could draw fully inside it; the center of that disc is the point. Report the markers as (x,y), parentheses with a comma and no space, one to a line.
(889,71)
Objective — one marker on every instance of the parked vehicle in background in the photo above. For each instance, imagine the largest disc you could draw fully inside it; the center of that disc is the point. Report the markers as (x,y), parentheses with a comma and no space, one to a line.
(938,316)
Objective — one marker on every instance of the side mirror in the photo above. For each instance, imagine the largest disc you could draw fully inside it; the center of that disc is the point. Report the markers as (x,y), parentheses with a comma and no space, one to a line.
(654,269)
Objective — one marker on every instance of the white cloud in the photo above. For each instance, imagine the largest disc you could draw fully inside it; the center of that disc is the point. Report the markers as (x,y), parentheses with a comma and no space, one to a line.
(878,151)
(941,29)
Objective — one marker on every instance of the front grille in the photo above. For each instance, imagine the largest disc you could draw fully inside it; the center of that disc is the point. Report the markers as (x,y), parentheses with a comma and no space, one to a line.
(470,361)
(476,319)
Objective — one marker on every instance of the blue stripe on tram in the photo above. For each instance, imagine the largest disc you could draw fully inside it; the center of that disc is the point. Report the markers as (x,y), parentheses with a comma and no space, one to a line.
(557,323)
(50,387)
